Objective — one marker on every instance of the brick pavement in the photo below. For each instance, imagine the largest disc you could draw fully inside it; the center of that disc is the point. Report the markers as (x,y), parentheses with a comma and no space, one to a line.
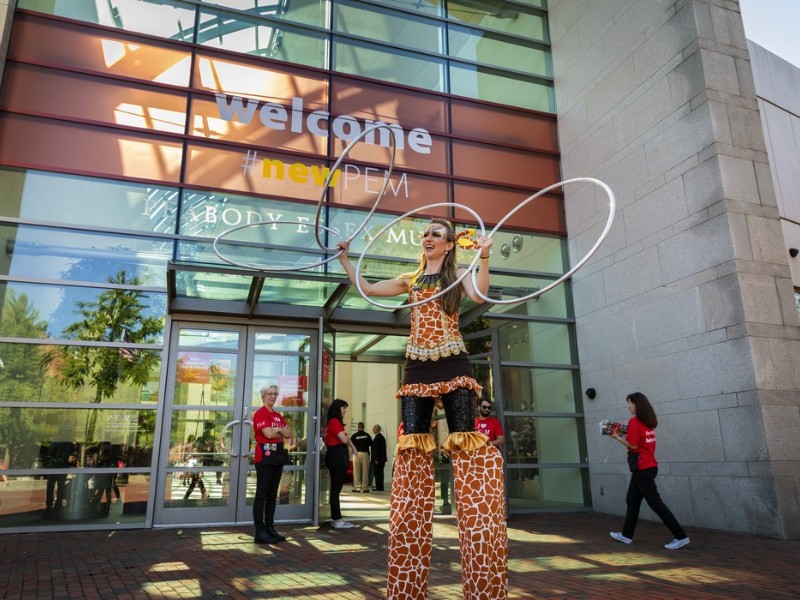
(552,556)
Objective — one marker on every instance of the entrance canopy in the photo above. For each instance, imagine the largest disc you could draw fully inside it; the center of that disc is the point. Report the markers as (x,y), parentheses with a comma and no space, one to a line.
(363,331)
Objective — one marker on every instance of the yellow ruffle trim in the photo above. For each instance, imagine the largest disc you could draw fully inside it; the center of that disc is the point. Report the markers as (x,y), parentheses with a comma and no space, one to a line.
(420,441)
(464,440)
(434,390)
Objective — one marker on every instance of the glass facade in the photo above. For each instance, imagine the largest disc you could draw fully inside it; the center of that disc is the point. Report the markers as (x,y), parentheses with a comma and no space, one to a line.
(134,133)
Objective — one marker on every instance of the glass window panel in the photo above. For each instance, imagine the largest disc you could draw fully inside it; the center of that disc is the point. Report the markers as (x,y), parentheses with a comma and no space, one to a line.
(542,440)
(208,338)
(539,390)
(500,16)
(74,45)
(362,344)
(52,439)
(288,372)
(25,499)
(48,373)
(493,203)
(205,379)
(483,84)
(283,342)
(433,8)
(391,66)
(28,88)
(82,256)
(69,147)
(261,38)
(396,29)
(504,126)
(550,304)
(547,488)
(506,166)
(83,313)
(536,342)
(212,286)
(498,51)
(309,12)
(154,17)
(85,201)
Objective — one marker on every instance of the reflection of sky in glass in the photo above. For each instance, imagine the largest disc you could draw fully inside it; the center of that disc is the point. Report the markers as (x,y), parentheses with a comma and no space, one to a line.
(58,306)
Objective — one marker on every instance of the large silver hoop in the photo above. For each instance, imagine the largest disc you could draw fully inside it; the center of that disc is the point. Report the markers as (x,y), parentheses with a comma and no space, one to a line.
(612,204)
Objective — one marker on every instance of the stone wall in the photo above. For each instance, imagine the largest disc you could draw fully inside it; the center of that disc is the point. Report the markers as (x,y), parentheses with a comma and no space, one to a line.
(690,299)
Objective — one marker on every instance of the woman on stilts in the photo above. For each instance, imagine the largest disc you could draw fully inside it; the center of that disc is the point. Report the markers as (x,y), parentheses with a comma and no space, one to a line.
(437,372)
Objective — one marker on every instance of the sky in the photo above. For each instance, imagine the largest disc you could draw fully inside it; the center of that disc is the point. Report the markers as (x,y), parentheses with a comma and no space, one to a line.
(774,25)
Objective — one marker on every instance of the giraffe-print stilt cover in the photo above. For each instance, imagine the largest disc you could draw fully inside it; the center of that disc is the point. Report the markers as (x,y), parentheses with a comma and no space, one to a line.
(481,510)
(410,525)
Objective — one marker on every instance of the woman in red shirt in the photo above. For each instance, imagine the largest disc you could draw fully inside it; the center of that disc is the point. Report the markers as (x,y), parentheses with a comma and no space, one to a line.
(270,430)
(640,440)
(337,457)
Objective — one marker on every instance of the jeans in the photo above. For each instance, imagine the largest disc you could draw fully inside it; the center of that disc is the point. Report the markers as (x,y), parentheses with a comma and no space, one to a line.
(643,487)
(268,481)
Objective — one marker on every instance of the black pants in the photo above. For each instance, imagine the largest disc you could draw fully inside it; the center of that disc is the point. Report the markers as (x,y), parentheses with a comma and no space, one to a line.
(336,459)
(377,469)
(55,492)
(643,487)
(268,481)
(197,481)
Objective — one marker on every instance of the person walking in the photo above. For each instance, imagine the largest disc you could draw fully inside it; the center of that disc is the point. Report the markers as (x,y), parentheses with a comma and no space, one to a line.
(337,457)
(363,442)
(270,456)
(378,456)
(640,440)
(437,371)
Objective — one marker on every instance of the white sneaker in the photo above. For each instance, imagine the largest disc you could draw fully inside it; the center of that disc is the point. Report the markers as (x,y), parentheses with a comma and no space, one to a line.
(675,544)
(621,538)
(341,524)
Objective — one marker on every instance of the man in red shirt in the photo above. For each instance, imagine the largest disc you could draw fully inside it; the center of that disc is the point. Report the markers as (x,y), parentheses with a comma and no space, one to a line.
(489,426)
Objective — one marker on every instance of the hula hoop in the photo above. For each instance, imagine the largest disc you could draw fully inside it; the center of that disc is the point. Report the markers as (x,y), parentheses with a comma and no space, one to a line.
(437,294)
(256,267)
(331,174)
(612,203)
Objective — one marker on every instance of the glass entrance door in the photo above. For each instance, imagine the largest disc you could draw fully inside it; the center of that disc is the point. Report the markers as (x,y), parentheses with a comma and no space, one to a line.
(214,378)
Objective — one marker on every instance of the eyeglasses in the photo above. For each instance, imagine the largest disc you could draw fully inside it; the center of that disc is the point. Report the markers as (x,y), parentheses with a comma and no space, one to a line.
(270,393)
(486,408)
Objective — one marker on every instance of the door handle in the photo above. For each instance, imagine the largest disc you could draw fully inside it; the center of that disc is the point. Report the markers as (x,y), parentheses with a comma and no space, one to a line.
(227,426)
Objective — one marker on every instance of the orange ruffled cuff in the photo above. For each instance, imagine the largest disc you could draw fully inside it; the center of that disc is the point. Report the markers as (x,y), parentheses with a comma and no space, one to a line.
(435,390)
(464,440)
(420,441)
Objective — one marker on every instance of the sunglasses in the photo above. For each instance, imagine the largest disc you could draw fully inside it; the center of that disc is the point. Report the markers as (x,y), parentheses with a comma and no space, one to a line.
(486,408)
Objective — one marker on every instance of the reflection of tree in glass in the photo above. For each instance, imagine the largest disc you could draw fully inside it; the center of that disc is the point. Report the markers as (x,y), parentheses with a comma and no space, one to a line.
(115,316)
(21,376)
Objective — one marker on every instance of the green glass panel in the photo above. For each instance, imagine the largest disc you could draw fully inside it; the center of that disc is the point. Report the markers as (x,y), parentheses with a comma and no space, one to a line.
(286,342)
(482,84)
(309,12)
(374,345)
(552,303)
(546,488)
(212,286)
(153,17)
(208,338)
(87,202)
(298,292)
(499,51)
(434,8)
(396,29)
(530,342)
(542,440)
(261,38)
(396,66)
(500,16)
(539,390)
(82,256)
